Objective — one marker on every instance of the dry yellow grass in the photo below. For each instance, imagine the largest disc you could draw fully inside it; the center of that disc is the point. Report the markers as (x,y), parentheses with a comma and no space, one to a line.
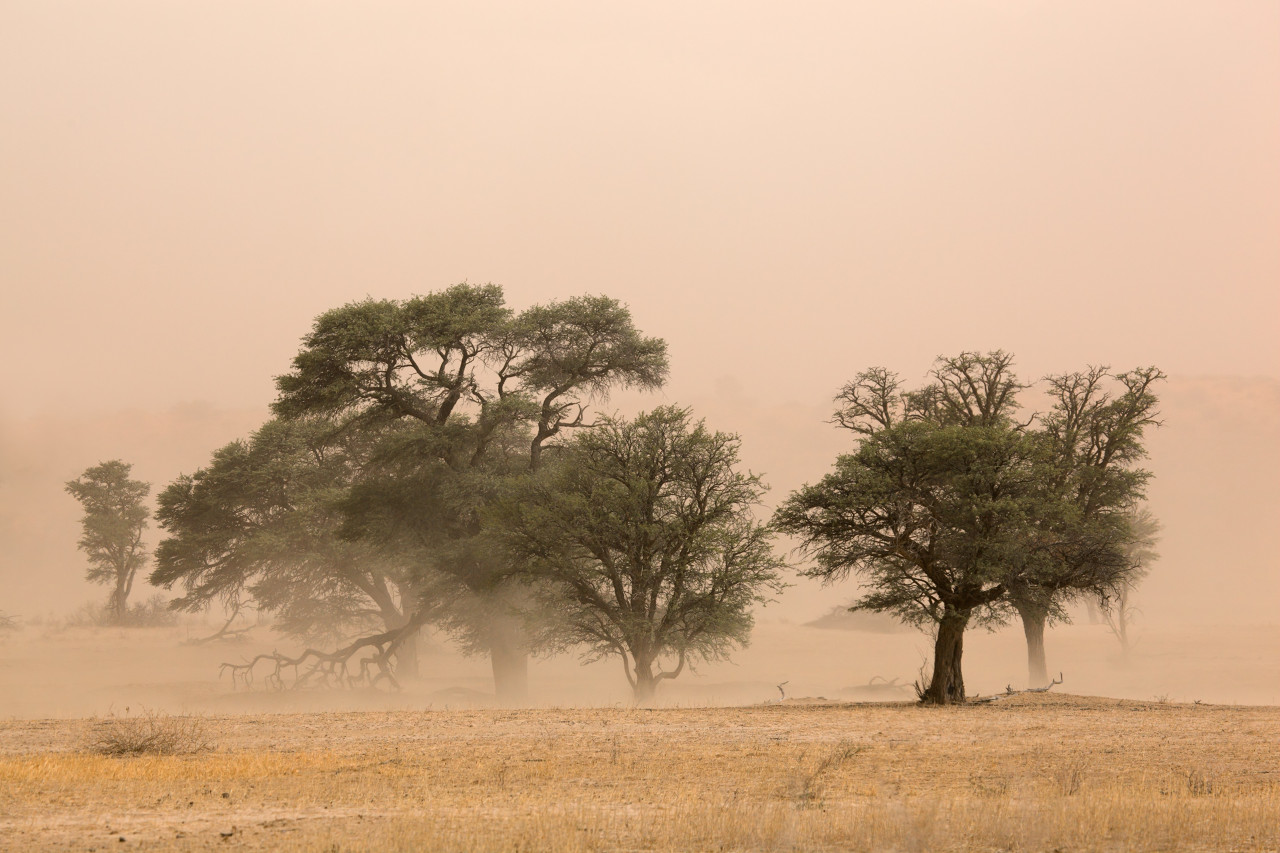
(1038,773)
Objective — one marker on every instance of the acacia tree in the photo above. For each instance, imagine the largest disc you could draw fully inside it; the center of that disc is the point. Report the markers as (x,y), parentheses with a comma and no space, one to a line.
(640,540)
(261,525)
(466,375)
(1094,438)
(946,505)
(114,517)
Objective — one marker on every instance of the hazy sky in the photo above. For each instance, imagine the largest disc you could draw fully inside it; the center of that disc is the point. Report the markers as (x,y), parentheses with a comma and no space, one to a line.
(785,192)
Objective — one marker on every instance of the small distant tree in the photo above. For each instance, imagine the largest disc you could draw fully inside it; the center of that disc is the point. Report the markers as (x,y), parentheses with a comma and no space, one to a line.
(640,538)
(114,517)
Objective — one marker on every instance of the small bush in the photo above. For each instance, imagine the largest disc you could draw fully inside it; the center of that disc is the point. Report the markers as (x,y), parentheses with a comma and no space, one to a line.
(151,733)
(152,613)
(8,622)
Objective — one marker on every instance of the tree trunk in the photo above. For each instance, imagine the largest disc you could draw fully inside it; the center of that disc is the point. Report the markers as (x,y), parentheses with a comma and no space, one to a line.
(646,686)
(1033,619)
(406,656)
(947,684)
(510,672)
(118,607)
(509,654)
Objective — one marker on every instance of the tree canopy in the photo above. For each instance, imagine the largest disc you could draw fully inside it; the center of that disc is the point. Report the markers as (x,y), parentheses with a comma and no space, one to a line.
(398,421)
(950,504)
(640,539)
(261,524)
(115,515)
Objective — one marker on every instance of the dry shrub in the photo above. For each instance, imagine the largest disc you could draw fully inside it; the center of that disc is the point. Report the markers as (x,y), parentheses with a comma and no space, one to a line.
(923,677)
(152,613)
(151,733)
(810,783)
(1199,782)
(1069,777)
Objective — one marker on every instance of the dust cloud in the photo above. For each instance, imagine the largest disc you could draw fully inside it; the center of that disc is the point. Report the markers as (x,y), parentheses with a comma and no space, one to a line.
(1207,630)
(785,196)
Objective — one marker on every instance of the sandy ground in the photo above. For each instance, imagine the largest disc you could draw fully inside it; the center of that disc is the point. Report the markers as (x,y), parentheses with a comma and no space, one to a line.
(721,765)
(1029,772)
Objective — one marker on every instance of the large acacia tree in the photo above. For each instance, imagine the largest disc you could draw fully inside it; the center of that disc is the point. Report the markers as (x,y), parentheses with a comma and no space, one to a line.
(468,380)
(115,515)
(952,503)
(641,541)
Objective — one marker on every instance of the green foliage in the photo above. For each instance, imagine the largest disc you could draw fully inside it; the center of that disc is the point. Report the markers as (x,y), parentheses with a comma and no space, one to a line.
(115,516)
(641,539)
(952,509)
(262,522)
(423,358)
(476,393)
(398,422)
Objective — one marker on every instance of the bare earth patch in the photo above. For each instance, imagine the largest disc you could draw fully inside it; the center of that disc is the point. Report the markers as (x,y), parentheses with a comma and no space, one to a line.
(1038,772)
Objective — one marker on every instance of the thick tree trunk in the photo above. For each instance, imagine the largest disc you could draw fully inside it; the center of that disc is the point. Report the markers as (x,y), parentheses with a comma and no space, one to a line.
(646,686)
(509,654)
(947,684)
(1033,620)
(406,656)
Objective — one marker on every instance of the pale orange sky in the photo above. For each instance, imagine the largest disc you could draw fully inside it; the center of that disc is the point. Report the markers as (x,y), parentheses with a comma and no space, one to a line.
(786,193)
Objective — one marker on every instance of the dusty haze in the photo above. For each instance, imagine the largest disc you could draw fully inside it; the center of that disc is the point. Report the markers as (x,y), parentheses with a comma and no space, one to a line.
(786,196)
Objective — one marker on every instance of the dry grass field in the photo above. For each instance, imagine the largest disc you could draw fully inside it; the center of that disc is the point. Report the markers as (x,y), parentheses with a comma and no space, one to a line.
(1044,772)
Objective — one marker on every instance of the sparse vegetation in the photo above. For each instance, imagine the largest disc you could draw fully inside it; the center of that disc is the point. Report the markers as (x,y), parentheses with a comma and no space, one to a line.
(150,733)
(757,778)
(814,774)
(152,613)
(1069,777)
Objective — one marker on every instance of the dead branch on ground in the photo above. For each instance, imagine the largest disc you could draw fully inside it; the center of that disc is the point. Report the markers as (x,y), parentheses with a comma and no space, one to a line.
(342,668)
